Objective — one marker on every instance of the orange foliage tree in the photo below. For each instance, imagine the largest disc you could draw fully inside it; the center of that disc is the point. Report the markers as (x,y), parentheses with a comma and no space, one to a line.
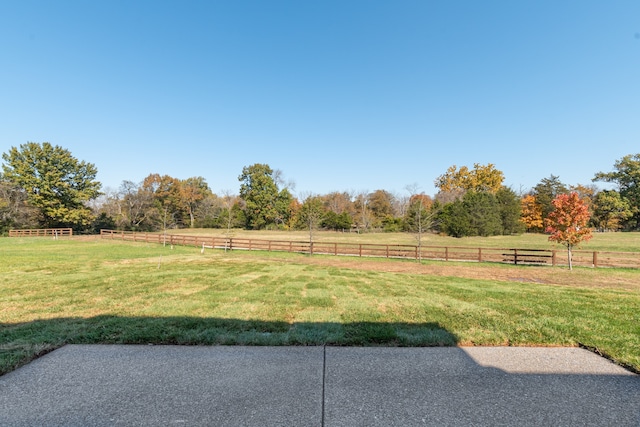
(567,223)
(531,214)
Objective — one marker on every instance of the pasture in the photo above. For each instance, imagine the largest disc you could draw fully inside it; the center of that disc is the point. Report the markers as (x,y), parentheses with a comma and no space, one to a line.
(87,290)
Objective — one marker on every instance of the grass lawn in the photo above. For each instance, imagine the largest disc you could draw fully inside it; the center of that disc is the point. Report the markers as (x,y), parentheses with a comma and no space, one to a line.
(101,291)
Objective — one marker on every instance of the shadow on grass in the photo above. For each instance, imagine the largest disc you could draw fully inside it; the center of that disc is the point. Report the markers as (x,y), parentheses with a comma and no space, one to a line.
(23,342)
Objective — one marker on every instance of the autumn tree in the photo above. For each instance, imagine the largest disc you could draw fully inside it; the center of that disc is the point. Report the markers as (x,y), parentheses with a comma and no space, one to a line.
(166,192)
(339,211)
(482,178)
(191,192)
(54,182)
(380,205)
(567,223)
(531,213)
(585,192)
(627,176)
(363,217)
(339,202)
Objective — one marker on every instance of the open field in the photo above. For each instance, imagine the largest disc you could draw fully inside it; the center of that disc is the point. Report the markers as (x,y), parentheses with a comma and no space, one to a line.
(54,292)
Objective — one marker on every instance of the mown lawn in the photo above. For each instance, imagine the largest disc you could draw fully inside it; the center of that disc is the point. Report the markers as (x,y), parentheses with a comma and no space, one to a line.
(99,291)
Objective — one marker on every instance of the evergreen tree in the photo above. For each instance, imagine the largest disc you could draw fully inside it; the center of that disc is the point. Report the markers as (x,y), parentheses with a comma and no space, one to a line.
(483,212)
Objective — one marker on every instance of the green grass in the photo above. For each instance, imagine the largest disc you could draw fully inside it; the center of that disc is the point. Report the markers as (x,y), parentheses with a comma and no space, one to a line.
(99,291)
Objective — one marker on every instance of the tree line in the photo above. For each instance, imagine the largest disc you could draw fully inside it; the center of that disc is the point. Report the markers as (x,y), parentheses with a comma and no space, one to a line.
(45,186)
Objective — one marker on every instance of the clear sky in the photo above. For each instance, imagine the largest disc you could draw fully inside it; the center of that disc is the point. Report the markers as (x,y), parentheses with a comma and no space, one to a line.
(346,95)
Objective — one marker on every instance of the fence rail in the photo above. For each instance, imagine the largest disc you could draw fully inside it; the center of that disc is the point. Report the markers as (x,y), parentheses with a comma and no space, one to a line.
(39,232)
(551,257)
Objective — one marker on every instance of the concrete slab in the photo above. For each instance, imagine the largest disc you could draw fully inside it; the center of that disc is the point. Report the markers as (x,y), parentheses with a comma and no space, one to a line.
(451,387)
(82,385)
(314,386)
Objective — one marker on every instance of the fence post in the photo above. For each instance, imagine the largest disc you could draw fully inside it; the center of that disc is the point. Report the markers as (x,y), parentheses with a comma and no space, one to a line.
(553,258)
(595,259)
(335,249)
(515,257)
(446,253)
(479,254)
(360,249)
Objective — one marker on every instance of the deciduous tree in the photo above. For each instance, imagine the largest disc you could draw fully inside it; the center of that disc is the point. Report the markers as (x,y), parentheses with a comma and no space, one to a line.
(166,192)
(567,223)
(610,210)
(15,210)
(265,204)
(229,201)
(380,206)
(627,176)
(419,217)
(55,182)
(532,213)
(192,192)
(482,178)
(310,214)
(136,208)
(339,202)
(363,217)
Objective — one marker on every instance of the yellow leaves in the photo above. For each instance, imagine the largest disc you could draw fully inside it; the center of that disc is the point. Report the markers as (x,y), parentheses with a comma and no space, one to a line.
(482,178)
(531,213)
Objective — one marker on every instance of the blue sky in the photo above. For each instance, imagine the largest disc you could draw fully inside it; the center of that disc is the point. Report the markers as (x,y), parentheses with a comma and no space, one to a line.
(338,95)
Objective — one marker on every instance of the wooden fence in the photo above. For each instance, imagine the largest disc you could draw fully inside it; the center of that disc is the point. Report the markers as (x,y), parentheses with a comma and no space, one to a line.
(549,257)
(41,232)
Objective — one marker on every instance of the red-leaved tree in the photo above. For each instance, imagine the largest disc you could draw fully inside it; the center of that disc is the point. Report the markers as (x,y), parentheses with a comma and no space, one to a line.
(567,223)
